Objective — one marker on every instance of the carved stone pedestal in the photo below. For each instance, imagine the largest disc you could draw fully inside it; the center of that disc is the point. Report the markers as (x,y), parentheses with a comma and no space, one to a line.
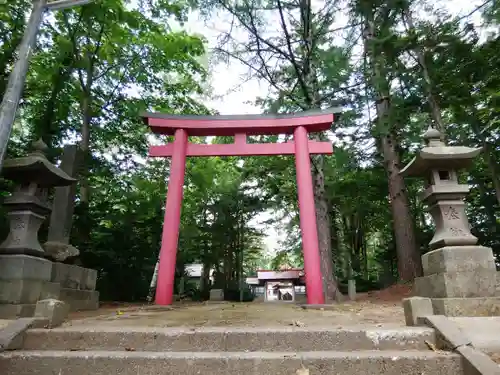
(460,281)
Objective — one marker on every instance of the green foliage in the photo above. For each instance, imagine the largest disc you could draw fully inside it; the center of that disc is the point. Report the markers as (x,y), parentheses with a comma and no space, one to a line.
(97,67)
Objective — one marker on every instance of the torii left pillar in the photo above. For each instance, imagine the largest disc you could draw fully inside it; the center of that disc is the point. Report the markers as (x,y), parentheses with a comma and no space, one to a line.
(238,126)
(172,221)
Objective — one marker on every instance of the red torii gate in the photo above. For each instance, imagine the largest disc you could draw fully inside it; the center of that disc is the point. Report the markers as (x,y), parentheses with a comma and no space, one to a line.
(239,126)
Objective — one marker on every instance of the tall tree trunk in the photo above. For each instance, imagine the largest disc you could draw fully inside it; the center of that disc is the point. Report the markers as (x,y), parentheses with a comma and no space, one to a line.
(488,152)
(493,167)
(310,90)
(421,57)
(45,127)
(207,264)
(365,259)
(323,222)
(409,261)
(489,210)
(86,114)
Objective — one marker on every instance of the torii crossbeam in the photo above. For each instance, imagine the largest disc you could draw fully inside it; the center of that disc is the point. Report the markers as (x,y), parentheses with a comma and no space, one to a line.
(240,126)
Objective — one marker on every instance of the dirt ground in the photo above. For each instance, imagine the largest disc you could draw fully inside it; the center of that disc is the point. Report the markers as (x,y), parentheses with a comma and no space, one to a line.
(244,314)
(379,308)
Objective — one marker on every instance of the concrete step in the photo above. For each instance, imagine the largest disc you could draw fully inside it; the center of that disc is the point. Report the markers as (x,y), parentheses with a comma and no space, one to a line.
(222,339)
(229,363)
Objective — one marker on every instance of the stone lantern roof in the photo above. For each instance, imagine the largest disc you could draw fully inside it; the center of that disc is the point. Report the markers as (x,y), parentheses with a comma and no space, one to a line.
(437,155)
(35,168)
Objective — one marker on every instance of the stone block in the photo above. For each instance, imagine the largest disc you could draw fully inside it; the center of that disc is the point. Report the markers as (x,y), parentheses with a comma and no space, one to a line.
(476,362)
(480,306)
(351,289)
(74,279)
(370,362)
(12,336)
(20,291)
(85,304)
(478,283)
(80,299)
(449,336)
(415,307)
(234,339)
(89,279)
(458,259)
(55,311)
(12,311)
(68,275)
(50,290)
(217,295)
(59,251)
(24,267)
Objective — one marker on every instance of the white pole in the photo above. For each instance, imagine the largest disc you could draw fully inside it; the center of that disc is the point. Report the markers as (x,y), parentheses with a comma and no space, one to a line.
(154,280)
(17,77)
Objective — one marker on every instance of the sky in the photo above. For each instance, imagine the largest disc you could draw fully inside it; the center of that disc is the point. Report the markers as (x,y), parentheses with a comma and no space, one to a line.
(233,93)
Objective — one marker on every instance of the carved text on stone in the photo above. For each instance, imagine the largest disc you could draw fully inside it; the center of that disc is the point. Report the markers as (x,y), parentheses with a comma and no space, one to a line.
(451,213)
(457,232)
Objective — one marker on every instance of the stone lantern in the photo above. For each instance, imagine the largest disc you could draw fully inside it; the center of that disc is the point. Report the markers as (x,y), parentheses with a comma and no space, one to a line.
(438,164)
(459,276)
(28,205)
(25,275)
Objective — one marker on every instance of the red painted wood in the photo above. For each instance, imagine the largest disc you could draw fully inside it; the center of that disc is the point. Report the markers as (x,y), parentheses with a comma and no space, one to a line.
(227,127)
(241,149)
(307,216)
(240,138)
(171,221)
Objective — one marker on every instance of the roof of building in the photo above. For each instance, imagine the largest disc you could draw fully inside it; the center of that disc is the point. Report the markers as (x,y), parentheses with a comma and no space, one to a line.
(195,270)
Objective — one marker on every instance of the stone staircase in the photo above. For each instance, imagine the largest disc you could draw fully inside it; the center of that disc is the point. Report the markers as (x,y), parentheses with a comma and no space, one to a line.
(290,350)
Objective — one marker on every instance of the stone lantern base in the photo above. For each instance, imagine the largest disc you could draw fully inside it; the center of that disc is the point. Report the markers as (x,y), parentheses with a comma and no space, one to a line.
(457,281)
(25,280)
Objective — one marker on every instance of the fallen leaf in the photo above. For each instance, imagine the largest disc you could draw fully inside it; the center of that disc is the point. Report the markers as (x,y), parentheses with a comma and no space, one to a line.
(431,346)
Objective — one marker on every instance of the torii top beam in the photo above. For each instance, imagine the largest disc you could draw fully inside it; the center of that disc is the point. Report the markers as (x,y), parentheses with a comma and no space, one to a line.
(228,125)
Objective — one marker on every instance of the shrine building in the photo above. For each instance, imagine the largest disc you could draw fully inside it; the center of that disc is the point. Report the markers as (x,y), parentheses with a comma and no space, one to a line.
(278,286)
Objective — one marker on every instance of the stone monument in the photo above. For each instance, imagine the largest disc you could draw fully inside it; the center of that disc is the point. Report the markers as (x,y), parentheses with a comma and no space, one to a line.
(459,276)
(57,246)
(26,277)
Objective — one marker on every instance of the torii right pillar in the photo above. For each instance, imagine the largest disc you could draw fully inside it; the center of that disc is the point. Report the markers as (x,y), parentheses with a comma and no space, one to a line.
(460,277)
